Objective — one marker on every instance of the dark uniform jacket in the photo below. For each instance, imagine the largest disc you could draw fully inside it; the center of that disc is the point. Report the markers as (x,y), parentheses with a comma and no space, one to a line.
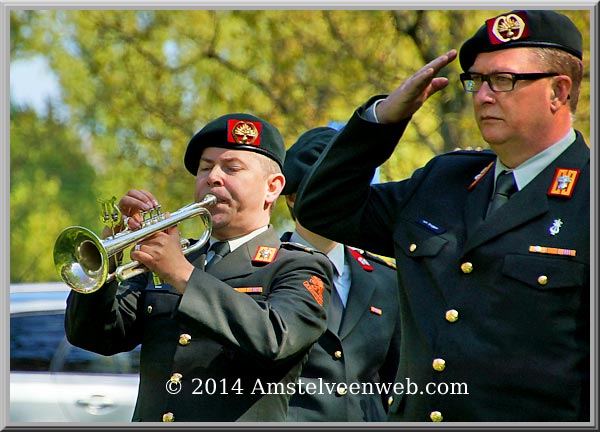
(365,348)
(230,348)
(500,328)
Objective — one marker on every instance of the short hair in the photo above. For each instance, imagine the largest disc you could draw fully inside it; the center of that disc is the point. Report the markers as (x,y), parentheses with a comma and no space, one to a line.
(559,61)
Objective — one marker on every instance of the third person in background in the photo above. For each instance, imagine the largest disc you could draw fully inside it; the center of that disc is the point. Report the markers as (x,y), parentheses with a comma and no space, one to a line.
(358,354)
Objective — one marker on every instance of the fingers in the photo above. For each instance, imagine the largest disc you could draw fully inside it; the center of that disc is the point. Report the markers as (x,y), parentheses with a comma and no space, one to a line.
(403,102)
(133,203)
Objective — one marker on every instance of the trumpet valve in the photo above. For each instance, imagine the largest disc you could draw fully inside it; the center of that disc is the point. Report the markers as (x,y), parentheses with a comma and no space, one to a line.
(152,216)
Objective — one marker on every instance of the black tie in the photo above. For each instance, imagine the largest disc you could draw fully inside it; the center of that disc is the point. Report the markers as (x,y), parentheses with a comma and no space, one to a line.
(220,248)
(505,187)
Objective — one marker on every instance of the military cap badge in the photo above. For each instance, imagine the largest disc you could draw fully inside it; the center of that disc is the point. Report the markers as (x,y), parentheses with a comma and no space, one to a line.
(506,28)
(244,132)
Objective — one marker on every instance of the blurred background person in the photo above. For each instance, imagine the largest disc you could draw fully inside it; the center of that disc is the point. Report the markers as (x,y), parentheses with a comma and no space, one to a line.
(362,342)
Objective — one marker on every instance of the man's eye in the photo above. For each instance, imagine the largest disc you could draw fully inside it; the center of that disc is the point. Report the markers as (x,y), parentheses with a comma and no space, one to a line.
(503,78)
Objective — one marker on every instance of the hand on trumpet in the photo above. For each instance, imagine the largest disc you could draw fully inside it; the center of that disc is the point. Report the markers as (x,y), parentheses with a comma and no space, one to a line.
(161,252)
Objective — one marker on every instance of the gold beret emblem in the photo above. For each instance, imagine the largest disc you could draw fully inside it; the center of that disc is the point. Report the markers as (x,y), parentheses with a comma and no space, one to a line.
(508,27)
(245,132)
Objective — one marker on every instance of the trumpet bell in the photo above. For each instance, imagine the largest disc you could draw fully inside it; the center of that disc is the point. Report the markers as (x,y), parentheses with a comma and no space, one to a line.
(81,259)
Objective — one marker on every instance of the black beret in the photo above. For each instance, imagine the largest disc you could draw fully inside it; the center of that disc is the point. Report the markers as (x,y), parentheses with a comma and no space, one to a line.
(303,154)
(523,28)
(237,131)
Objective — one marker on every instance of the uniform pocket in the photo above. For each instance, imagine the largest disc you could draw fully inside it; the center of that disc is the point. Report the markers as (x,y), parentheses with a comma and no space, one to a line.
(416,242)
(545,272)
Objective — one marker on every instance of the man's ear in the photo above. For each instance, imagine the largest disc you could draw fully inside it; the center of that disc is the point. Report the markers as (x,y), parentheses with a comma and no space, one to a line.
(275,184)
(560,92)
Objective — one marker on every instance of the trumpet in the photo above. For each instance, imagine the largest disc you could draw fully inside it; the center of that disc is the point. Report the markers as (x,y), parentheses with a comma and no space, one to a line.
(82,258)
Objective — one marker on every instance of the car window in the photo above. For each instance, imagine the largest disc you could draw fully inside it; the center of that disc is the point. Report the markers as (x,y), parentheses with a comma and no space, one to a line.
(34,338)
(38,343)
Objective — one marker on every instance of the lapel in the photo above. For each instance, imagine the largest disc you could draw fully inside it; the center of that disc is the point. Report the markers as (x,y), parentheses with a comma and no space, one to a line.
(362,289)
(477,200)
(238,263)
(528,203)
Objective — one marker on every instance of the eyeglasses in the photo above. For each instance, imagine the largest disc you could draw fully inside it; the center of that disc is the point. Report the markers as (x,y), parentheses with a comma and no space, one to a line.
(499,81)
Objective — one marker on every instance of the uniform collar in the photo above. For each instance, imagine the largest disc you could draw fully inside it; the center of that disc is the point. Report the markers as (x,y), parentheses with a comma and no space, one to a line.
(335,255)
(529,169)
(235,243)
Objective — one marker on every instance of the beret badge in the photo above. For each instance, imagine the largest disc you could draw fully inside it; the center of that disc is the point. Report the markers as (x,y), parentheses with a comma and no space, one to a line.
(244,132)
(506,28)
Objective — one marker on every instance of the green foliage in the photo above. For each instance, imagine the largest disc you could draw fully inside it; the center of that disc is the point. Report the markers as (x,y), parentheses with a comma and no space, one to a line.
(137,84)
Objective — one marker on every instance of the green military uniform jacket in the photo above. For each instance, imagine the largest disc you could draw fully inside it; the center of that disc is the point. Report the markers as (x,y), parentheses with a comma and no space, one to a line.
(493,327)
(348,362)
(230,348)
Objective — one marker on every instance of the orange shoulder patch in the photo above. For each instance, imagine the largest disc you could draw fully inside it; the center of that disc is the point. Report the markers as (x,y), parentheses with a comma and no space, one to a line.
(316,287)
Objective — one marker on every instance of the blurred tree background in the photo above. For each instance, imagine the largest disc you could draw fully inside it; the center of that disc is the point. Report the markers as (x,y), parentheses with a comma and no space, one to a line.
(137,84)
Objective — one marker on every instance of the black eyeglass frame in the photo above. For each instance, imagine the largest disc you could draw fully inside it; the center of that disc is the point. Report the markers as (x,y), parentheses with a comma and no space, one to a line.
(467,76)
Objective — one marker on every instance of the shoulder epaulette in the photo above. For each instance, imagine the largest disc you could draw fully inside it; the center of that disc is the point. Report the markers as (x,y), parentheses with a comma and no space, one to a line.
(472,151)
(388,262)
(297,246)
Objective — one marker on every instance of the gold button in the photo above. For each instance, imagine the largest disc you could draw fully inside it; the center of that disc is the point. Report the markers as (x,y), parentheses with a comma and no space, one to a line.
(543,280)
(466,267)
(436,416)
(176,378)
(439,364)
(390,400)
(341,390)
(452,315)
(412,247)
(168,417)
(149,309)
(184,339)
(337,354)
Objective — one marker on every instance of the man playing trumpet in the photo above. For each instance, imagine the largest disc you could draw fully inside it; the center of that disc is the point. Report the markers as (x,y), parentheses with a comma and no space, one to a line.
(225,333)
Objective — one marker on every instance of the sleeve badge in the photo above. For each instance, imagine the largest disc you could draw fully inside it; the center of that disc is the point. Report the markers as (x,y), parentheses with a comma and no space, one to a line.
(315,286)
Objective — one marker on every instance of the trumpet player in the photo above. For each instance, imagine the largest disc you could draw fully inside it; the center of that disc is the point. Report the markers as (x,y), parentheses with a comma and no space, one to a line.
(226,331)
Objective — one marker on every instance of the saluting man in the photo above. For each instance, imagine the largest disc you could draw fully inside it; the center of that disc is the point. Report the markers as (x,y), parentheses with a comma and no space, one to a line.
(353,365)
(225,342)
(492,248)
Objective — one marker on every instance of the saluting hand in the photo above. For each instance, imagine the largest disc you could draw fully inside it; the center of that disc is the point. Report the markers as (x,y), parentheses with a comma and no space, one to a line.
(412,93)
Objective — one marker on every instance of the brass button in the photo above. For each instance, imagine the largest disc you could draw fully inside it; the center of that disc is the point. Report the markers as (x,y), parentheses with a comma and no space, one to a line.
(412,247)
(168,417)
(452,315)
(184,339)
(543,280)
(466,267)
(341,390)
(436,416)
(439,364)
(390,400)
(176,378)
(337,354)
(149,309)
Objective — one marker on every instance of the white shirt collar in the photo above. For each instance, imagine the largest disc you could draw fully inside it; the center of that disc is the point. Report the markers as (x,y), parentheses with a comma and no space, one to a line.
(235,243)
(529,169)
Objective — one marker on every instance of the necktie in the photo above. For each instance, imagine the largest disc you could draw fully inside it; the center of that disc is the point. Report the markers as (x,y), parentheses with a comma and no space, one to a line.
(220,248)
(505,187)
(336,309)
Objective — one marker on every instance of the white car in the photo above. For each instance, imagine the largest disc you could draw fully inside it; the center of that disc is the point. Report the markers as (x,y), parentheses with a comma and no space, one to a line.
(53,381)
